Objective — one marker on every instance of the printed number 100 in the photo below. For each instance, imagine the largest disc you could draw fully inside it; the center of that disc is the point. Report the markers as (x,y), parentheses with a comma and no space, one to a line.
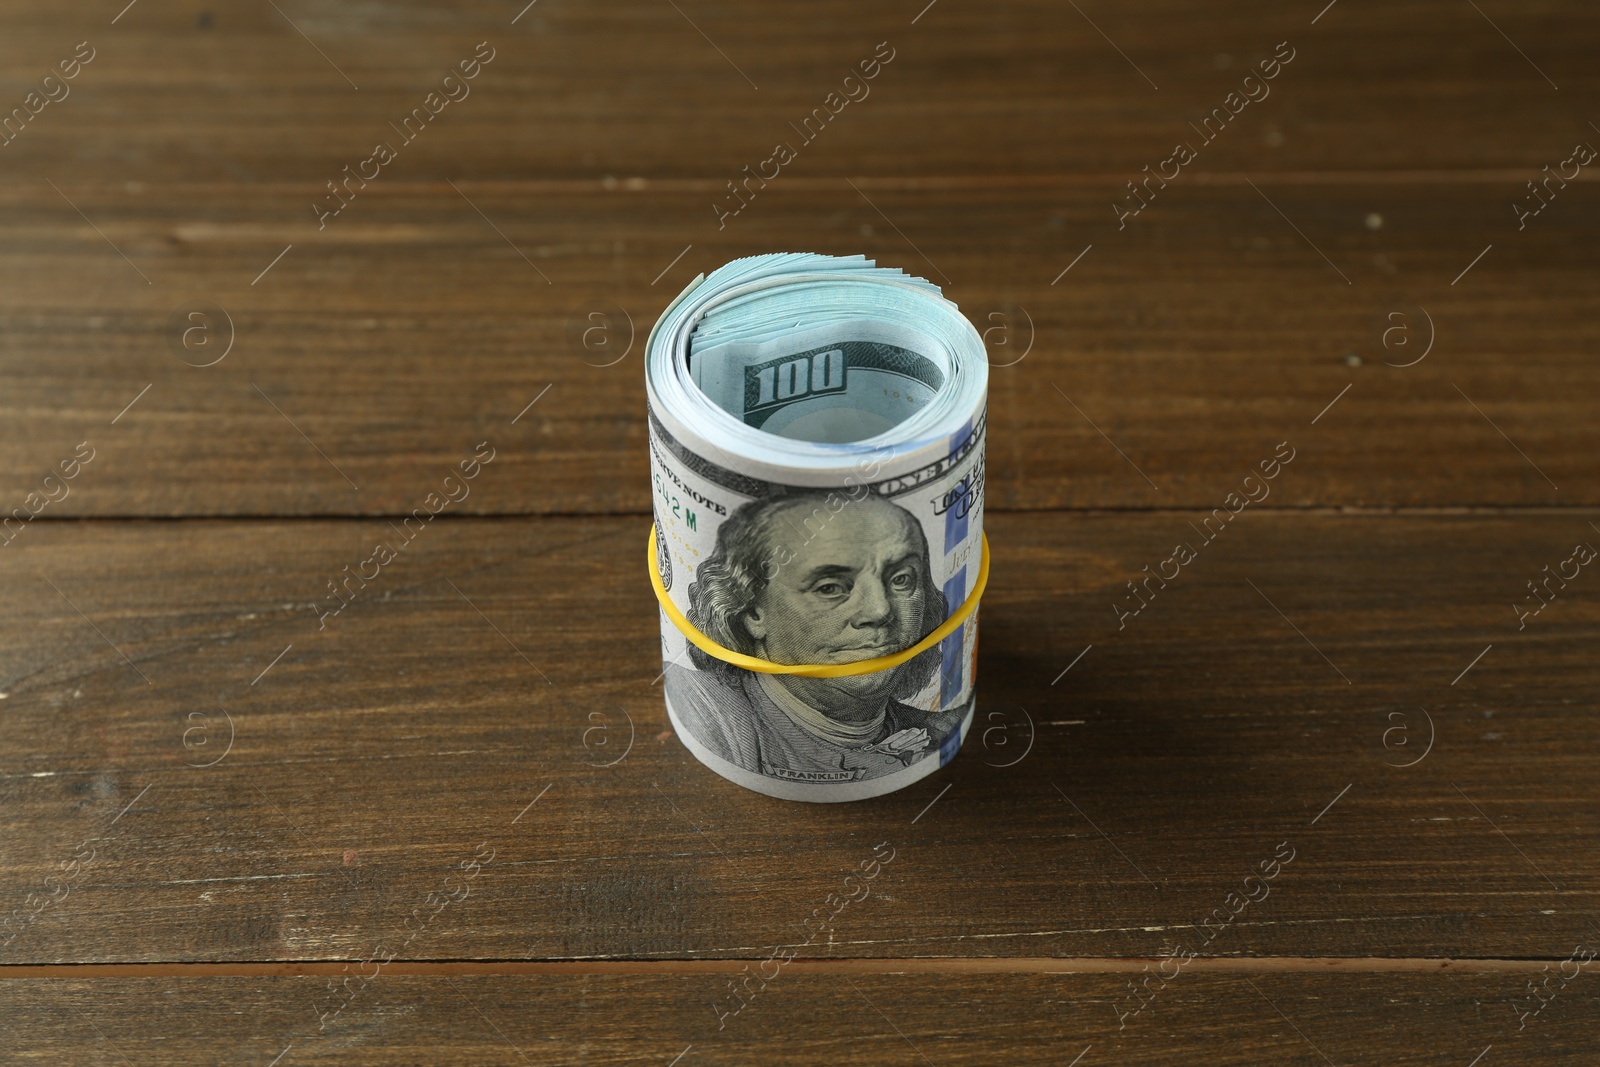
(815,373)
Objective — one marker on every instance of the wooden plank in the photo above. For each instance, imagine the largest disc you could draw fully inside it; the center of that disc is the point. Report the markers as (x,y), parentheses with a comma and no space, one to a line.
(1164,365)
(639,88)
(473,696)
(1406,1020)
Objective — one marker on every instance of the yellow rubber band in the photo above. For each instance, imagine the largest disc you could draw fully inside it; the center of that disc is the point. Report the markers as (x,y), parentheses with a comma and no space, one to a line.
(814,670)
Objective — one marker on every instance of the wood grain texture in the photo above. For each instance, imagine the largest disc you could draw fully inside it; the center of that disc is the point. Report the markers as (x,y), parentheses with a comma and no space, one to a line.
(1412,1020)
(501,662)
(469,768)
(195,91)
(1162,367)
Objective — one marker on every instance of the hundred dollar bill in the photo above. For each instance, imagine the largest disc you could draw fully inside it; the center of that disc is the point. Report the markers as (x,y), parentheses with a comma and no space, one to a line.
(817,453)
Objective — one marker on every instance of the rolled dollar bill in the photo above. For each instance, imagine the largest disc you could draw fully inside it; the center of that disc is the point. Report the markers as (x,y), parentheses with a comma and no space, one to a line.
(816,448)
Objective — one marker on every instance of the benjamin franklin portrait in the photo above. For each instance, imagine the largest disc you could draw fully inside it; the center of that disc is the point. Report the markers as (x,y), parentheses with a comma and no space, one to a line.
(815,577)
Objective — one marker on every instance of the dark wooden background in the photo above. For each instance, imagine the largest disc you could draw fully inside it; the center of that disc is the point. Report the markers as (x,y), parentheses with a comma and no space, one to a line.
(217,819)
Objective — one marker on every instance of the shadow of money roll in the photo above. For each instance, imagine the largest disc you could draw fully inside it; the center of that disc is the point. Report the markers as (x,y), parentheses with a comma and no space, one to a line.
(816,431)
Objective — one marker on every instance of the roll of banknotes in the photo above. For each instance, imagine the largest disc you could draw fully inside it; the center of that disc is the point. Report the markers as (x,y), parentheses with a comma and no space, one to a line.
(816,448)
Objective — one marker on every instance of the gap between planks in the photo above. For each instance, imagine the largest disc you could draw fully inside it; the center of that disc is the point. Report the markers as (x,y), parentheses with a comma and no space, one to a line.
(944,966)
(932,183)
(1348,510)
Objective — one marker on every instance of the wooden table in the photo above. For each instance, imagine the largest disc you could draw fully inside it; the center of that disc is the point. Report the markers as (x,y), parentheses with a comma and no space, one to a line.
(1329,796)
